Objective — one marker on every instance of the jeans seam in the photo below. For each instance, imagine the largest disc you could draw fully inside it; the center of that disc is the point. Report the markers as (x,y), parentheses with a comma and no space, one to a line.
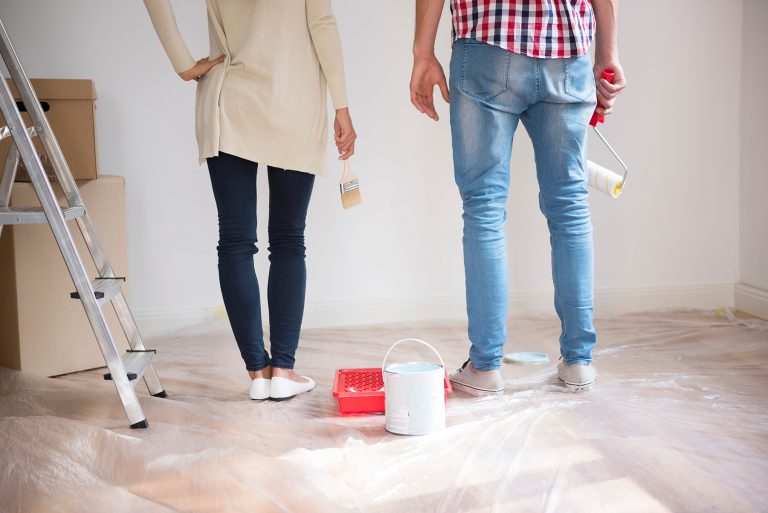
(463,67)
(506,75)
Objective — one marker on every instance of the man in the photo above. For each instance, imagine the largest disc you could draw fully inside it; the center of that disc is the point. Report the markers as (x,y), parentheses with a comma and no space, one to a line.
(521,60)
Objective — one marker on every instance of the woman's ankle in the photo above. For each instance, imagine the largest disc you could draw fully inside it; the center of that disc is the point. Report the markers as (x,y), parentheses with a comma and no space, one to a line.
(279,372)
(265,373)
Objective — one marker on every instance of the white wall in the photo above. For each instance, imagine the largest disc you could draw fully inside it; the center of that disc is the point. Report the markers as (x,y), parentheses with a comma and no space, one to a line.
(670,240)
(752,290)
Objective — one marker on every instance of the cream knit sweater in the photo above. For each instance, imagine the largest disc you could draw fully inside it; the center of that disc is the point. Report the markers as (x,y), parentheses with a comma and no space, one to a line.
(267,101)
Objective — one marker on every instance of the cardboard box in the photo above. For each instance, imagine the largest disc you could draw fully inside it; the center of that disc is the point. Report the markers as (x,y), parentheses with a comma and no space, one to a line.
(70,108)
(42,330)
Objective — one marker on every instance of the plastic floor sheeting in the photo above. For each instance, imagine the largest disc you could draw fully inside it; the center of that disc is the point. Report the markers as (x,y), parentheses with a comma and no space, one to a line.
(678,422)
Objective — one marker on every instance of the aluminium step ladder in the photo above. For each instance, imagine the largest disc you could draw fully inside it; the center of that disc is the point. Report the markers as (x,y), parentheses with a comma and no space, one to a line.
(126,370)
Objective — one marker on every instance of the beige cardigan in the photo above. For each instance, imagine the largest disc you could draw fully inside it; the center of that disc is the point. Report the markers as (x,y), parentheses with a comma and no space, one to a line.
(267,101)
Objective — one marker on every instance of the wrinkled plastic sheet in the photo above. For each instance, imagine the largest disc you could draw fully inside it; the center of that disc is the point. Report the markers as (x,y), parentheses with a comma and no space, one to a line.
(677,422)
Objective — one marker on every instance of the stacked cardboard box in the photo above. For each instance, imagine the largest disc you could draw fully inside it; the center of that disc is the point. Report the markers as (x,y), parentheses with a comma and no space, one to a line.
(42,330)
(70,106)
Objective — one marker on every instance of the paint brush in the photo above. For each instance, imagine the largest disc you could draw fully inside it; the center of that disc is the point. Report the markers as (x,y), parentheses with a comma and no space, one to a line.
(350,187)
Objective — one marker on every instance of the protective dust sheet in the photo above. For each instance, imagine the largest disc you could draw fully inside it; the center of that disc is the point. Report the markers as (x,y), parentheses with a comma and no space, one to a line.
(677,422)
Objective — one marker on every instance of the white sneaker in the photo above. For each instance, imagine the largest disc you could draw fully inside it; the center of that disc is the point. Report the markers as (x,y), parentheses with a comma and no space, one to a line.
(577,376)
(284,388)
(475,382)
(260,388)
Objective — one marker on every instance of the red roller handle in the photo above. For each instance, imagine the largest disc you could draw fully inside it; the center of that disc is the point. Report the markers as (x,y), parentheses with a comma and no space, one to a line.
(598,118)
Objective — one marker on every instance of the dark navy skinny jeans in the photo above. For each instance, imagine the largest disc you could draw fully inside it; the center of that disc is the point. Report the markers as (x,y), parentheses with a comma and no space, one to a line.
(234,187)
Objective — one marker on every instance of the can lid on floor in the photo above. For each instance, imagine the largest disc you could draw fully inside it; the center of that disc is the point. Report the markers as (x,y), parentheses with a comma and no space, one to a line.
(526,358)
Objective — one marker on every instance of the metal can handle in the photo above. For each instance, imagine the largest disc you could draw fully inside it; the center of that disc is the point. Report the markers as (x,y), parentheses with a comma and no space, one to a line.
(384,362)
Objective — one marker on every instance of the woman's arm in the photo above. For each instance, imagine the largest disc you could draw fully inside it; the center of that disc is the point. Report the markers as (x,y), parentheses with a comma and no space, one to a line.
(161,13)
(325,38)
(165,25)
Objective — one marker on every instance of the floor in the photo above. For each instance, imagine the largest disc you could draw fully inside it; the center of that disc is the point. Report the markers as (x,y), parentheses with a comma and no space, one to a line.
(678,422)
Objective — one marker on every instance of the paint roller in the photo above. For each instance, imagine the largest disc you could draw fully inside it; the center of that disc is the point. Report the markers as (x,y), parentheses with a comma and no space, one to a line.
(599,177)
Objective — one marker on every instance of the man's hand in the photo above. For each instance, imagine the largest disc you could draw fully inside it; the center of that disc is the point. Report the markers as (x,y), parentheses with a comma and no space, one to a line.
(344,134)
(608,91)
(200,68)
(427,73)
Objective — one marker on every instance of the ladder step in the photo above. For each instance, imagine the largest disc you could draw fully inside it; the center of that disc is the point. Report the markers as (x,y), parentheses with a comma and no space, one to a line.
(104,289)
(5,132)
(34,215)
(135,363)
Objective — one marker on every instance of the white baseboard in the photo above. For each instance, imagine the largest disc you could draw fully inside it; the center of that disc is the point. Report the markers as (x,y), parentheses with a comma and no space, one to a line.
(751,300)
(167,320)
(378,311)
(607,302)
(623,300)
(388,310)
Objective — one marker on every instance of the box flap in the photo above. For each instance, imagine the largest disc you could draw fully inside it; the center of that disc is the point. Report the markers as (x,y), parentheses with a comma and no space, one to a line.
(60,89)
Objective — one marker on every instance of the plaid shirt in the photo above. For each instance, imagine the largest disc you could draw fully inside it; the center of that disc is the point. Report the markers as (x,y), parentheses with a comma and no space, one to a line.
(537,28)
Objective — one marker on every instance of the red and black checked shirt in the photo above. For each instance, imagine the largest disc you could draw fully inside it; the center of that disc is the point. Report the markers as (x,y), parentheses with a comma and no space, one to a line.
(537,28)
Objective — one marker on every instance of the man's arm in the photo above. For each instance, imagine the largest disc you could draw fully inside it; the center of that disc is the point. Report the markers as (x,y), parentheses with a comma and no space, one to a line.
(607,54)
(427,71)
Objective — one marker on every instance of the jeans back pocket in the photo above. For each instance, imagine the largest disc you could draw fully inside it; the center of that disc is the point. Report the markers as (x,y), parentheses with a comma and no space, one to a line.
(579,80)
(485,69)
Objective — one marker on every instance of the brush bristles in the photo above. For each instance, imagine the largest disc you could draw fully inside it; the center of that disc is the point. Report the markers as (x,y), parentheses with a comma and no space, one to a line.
(351,198)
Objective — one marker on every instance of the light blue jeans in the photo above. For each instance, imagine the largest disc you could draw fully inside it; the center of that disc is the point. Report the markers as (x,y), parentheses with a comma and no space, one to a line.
(491,90)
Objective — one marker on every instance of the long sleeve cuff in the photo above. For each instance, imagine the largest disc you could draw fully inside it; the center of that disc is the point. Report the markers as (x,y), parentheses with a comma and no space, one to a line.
(338,89)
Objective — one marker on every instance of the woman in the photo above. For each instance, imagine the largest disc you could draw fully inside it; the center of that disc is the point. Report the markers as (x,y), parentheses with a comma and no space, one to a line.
(261,99)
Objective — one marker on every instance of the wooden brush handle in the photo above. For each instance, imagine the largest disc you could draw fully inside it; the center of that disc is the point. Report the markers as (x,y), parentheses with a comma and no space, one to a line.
(348,175)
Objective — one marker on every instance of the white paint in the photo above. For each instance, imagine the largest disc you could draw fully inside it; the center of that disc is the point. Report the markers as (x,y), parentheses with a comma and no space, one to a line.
(673,227)
(752,292)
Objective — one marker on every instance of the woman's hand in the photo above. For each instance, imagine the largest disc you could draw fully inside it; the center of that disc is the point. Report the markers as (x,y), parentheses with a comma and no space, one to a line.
(344,134)
(202,67)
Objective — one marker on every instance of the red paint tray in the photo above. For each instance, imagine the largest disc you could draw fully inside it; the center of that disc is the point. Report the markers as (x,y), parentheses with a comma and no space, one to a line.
(361,390)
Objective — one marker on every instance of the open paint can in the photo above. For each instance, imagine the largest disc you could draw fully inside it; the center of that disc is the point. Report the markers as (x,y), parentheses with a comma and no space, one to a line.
(414,394)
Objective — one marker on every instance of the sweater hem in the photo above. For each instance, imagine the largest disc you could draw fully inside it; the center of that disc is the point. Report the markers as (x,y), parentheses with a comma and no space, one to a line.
(288,163)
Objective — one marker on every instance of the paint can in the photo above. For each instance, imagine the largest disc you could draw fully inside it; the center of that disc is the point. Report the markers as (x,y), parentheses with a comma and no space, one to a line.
(414,394)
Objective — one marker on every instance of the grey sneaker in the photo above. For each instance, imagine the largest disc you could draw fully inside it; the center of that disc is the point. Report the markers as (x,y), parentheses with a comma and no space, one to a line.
(577,376)
(475,382)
